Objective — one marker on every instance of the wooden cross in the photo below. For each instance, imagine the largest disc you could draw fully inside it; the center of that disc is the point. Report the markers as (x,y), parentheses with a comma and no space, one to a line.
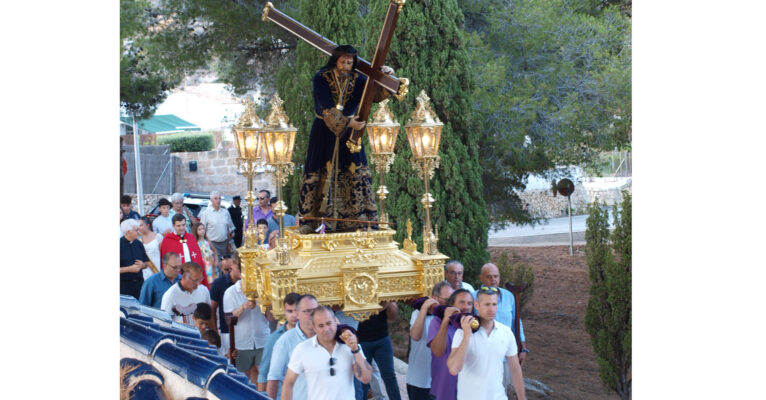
(372,70)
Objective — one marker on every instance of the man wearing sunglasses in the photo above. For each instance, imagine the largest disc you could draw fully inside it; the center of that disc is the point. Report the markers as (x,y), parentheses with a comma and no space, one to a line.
(329,366)
(284,347)
(181,299)
(263,211)
(156,285)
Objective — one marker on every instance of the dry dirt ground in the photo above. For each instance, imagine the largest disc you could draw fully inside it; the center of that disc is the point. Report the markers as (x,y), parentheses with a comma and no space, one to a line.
(561,355)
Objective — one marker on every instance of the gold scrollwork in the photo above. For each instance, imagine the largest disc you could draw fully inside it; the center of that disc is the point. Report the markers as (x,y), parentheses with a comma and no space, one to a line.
(329,244)
(404,86)
(392,285)
(353,147)
(322,290)
(265,14)
(409,245)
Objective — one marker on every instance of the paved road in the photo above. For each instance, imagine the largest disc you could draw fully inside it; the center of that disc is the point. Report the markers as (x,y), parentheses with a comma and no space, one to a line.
(554,232)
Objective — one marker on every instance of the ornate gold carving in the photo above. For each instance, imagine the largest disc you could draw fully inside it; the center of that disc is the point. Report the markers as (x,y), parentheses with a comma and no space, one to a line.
(404,87)
(426,166)
(361,289)
(329,244)
(409,245)
(361,241)
(322,290)
(353,147)
(403,284)
(265,14)
(400,3)
(249,119)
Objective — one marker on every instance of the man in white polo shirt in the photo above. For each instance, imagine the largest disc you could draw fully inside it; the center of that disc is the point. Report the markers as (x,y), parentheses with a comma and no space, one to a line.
(477,358)
(251,330)
(329,366)
(181,299)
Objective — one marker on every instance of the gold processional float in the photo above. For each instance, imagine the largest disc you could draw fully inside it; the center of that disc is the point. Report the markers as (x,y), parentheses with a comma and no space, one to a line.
(354,270)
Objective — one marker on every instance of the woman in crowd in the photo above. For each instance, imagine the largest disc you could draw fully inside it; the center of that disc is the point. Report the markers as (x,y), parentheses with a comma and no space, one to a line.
(132,259)
(177,199)
(208,252)
(151,243)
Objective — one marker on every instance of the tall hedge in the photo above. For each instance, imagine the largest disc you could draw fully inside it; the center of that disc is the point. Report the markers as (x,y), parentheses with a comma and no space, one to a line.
(608,317)
(428,47)
(181,142)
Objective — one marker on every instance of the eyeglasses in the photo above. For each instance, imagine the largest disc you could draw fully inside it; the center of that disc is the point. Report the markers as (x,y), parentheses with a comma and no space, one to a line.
(308,310)
(488,288)
(261,198)
(332,370)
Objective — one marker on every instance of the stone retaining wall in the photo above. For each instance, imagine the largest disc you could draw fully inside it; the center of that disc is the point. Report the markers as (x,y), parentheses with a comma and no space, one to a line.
(216,170)
(542,204)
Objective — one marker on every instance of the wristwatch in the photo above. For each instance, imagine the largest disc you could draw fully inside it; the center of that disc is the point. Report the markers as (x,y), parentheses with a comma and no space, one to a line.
(358,349)
(525,351)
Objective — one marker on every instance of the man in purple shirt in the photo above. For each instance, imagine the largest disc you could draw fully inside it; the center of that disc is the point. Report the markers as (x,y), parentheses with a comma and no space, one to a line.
(263,210)
(440,333)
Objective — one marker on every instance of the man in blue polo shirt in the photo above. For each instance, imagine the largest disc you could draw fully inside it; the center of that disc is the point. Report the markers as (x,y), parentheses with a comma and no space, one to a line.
(156,285)
(291,318)
(284,347)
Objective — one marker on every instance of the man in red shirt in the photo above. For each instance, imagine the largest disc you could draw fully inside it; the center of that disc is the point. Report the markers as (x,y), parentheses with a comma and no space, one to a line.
(183,244)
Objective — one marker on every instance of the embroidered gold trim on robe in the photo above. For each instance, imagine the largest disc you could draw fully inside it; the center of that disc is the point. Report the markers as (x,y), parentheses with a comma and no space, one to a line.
(335,90)
(335,120)
(356,198)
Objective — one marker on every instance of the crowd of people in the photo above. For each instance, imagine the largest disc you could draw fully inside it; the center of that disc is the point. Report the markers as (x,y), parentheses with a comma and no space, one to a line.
(197,280)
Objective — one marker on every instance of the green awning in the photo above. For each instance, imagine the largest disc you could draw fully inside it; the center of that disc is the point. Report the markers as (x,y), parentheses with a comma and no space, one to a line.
(167,123)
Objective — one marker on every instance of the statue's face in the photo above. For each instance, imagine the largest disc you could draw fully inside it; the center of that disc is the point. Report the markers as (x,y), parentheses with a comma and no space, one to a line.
(345,64)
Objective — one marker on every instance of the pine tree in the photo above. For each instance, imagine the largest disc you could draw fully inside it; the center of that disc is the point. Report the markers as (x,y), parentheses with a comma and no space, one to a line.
(608,315)
(428,47)
(339,21)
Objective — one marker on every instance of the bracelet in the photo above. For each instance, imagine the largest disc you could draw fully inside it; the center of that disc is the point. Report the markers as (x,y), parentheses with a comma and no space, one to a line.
(358,349)
(524,350)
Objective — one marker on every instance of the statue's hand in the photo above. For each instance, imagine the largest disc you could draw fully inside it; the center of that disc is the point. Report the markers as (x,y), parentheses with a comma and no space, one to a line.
(355,124)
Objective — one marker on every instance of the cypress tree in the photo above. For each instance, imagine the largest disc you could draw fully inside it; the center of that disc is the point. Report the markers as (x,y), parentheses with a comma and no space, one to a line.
(428,47)
(608,315)
(337,20)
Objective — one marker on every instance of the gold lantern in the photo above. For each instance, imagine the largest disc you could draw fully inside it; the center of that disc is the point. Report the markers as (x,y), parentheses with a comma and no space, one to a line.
(424,131)
(382,133)
(249,144)
(279,141)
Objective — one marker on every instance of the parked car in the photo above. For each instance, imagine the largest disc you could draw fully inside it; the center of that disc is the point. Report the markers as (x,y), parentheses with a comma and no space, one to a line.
(196,203)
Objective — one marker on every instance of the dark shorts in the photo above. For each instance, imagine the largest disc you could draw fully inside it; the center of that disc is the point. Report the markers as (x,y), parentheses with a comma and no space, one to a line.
(246,359)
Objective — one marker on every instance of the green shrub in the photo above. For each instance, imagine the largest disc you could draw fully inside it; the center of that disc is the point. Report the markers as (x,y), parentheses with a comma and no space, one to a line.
(183,142)
(517,274)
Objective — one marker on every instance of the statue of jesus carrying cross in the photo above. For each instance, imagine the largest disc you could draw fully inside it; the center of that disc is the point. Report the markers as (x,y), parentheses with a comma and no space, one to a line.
(336,180)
